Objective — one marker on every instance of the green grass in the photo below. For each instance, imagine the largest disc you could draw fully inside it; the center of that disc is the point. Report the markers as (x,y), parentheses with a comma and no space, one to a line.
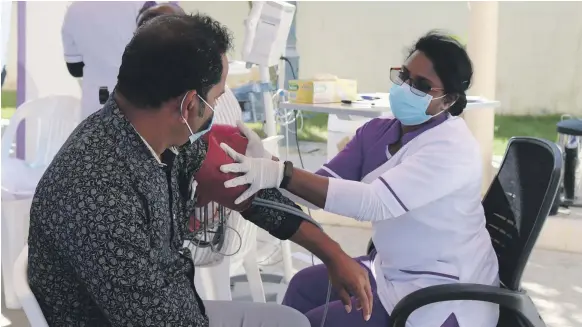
(534,126)
(8,103)
(315,126)
(315,129)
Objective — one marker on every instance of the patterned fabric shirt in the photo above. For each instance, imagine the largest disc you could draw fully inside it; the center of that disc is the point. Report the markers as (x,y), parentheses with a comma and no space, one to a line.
(107,228)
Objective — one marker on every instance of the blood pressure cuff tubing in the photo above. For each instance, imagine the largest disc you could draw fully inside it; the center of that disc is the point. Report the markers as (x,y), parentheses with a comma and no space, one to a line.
(210,179)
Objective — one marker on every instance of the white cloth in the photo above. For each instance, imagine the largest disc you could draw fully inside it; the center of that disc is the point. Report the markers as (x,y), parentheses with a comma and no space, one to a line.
(428,221)
(96,33)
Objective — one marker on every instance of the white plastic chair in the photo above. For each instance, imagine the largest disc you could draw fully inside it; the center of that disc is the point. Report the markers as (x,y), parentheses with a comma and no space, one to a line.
(212,278)
(25,296)
(51,119)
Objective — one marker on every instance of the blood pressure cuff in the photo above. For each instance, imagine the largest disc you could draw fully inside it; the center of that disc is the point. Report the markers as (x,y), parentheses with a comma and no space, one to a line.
(210,179)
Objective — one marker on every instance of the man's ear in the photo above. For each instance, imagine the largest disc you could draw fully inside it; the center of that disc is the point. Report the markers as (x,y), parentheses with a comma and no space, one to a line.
(190,105)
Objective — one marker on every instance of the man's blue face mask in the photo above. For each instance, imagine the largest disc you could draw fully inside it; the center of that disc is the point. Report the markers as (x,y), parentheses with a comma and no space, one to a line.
(204,129)
(409,108)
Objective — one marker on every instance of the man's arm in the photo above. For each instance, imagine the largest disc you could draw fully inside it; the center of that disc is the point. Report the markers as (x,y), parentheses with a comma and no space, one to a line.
(110,249)
(285,226)
(278,223)
(347,276)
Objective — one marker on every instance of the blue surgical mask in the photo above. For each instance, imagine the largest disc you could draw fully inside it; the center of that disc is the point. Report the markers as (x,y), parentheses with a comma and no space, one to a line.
(195,136)
(409,108)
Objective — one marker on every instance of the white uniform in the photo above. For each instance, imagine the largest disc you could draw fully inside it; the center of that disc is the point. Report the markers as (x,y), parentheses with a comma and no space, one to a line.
(425,206)
(6,14)
(96,33)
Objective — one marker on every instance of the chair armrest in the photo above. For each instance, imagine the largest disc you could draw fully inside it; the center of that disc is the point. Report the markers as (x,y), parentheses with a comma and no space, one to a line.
(517,302)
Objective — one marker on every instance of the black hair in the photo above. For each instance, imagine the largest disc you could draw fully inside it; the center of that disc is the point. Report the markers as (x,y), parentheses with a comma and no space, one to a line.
(171,55)
(451,63)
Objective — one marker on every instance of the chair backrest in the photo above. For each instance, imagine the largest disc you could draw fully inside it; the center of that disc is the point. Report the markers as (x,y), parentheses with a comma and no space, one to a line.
(228,112)
(25,296)
(53,118)
(518,202)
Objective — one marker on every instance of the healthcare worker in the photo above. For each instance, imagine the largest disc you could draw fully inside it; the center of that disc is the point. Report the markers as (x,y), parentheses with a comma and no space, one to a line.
(417,179)
(149,12)
(94,35)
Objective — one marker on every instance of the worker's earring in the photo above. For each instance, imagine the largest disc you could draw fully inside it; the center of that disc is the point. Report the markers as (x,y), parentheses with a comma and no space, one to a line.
(450,105)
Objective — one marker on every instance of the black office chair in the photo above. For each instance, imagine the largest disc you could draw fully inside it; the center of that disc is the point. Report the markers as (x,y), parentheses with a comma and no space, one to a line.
(516,206)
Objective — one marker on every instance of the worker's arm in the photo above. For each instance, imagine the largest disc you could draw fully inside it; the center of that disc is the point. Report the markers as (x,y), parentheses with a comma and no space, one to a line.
(73,57)
(118,266)
(76,69)
(347,164)
(423,177)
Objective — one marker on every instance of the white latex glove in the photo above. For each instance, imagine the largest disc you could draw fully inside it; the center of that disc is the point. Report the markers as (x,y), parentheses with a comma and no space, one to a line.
(260,173)
(255,148)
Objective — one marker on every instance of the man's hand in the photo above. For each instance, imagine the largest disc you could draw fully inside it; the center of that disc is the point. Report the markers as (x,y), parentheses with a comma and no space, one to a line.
(255,148)
(260,173)
(349,277)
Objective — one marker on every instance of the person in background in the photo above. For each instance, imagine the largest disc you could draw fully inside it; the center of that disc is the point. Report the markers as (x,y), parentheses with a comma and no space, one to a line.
(94,35)
(6,14)
(110,215)
(417,179)
(150,11)
(3,74)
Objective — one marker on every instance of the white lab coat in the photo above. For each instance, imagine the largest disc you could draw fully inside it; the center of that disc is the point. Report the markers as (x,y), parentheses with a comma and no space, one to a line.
(6,14)
(96,33)
(432,227)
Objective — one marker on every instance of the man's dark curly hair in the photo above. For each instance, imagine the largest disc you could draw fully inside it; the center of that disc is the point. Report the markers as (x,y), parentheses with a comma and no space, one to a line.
(170,55)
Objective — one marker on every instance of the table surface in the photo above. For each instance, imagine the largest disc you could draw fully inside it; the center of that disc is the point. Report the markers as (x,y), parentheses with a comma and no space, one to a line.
(379,107)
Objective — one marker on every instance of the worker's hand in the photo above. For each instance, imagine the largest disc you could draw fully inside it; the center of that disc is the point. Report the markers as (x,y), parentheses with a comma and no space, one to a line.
(255,148)
(260,173)
(349,277)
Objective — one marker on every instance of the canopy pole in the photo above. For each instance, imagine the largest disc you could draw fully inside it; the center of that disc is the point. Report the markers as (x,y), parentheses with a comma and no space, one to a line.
(21,76)
(482,48)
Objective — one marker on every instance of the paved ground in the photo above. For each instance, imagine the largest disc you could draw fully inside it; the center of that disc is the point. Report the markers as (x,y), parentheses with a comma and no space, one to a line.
(550,279)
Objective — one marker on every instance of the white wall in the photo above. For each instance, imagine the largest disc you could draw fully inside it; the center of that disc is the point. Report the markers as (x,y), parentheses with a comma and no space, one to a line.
(362,41)
(539,66)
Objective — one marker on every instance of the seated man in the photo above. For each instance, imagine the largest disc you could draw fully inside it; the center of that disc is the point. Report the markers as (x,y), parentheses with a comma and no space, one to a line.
(110,215)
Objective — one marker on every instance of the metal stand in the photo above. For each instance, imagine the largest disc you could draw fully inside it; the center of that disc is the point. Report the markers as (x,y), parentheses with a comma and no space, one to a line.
(570,142)
(270,124)
(291,71)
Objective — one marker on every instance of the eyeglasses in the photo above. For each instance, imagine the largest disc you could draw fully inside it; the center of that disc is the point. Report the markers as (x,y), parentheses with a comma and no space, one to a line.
(419,87)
